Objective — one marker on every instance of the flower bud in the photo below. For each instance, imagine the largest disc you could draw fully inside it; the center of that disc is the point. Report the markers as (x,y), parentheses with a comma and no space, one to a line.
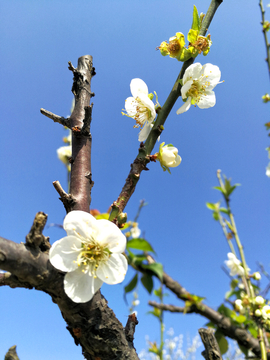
(258,313)
(168,156)
(259,300)
(257,276)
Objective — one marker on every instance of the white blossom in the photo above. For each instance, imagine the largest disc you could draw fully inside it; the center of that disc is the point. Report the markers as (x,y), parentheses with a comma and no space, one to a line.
(234,265)
(168,156)
(267,172)
(91,254)
(198,84)
(266,312)
(135,231)
(140,107)
(259,300)
(64,153)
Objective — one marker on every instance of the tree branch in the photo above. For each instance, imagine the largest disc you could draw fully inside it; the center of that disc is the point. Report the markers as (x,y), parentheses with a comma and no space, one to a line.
(12,354)
(242,336)
(212,351)
(92,325)
(56,118)
(142,159)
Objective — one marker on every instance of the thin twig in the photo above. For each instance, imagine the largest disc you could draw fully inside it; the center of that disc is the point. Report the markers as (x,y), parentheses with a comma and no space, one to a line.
(56,118)
(265,36)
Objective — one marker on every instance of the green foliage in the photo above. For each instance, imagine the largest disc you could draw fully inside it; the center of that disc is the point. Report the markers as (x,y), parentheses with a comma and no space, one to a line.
(147,282)
(156,268)
(132,284)
(222,342)
(140,244)
(196,23)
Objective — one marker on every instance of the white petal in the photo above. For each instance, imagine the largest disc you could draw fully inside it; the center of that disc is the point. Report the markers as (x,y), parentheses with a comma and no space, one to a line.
(63,253)
(79,222)
(137,87)
(114,270)
(150,105)
(107,233)
(213,74)
(143,134)
(185,88)
(193,71)
(207,101)
(80,287)
(185,107)
(131,106)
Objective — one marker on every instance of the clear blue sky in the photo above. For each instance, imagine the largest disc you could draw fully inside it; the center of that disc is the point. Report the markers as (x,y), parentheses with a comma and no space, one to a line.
(38,38)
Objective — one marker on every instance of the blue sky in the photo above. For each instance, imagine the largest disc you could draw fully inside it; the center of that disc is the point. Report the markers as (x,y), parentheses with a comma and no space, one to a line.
(38,39)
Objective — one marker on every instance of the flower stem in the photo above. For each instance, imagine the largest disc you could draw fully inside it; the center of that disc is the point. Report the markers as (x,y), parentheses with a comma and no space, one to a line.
(262,344)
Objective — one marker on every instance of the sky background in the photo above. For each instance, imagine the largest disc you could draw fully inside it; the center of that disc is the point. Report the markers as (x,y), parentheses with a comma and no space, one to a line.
(38,38)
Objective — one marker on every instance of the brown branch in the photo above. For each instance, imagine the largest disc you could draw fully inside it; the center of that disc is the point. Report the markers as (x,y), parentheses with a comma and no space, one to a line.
(93,325)
(12,354)
(242,336)
(66,199)
(171,308)
(212,351)
(80,119)
(139,164)
(35,238)
(130,328)
(56,118)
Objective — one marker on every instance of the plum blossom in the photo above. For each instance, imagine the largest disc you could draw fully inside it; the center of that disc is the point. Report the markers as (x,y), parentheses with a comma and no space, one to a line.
(140,107)
(234,265)
(91,254)
(197,86)
(266,312)
(135,231)
(64,153)
(168,156)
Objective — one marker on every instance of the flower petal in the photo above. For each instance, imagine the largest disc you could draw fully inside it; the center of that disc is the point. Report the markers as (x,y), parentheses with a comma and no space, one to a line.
(212,73)
(63,253)
(143,134)
(114,270)
(150,105)
(185,88)
(79,223)
(207,101)
(80,287)
(107,233)
(185,107)
(193,71)
(131,106)
(137,87)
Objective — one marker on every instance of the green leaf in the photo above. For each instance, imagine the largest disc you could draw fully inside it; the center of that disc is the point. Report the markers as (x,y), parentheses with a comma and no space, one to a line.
(218,188)
(132,284)
(211,206)
(147,282)
(196,19)
(238,318)
(225,211)
(215,215)
(211,325)
(222,342)
(253,331)
(157,268)
(103,216)
(139,244)
(243,349)
(223,310)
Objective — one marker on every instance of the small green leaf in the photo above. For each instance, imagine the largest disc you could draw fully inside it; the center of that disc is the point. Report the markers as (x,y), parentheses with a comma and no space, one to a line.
(222,342)
(158,293)
(132,284)
(238,318)
(253,331)
(211,325)
(147,282)
(243,349)
(103,216)
(211,206)
(157,268)
(139,244)
(196,19)
(215,215)
(225,211)
(223,310)
(218,188)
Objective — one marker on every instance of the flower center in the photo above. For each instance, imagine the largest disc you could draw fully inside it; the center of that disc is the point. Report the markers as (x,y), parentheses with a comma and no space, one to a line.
(174,47)
(197,89)
(92,254)
(142,115)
